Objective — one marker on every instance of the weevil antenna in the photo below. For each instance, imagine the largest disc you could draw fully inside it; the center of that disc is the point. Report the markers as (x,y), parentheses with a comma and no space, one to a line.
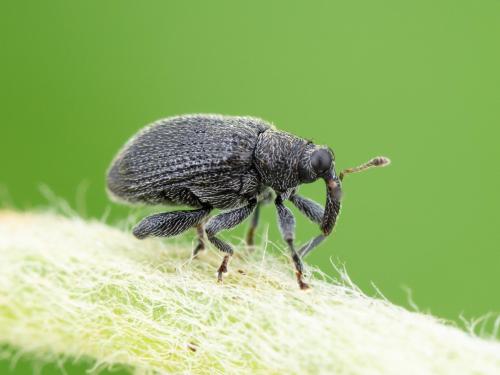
(379,161)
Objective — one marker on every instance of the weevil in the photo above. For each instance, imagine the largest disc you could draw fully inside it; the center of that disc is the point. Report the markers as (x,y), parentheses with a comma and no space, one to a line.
(231,163)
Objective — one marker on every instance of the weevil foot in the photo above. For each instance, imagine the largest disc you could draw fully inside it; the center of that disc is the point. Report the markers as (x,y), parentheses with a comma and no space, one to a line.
(198,248)
(223,268)
(219,277)
(302,284)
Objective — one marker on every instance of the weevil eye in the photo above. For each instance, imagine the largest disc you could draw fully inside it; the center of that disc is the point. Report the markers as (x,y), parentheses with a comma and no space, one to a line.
(321,161)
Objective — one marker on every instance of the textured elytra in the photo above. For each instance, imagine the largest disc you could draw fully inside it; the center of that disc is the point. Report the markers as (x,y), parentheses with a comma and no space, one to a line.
(191,160)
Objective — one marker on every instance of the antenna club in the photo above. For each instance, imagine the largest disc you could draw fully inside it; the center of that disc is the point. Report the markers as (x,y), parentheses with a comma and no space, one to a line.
(380,161)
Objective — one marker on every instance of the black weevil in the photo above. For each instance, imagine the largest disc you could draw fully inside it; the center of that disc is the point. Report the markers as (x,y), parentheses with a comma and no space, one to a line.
(229,163)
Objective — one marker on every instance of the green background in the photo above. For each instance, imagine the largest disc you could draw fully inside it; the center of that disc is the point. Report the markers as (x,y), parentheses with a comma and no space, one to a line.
(418,81)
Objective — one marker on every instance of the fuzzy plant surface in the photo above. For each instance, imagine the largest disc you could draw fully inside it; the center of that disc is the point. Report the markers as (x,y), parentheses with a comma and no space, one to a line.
(71,288)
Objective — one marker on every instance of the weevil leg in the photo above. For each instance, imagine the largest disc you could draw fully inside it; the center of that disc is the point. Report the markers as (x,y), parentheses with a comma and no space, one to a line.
(226,220)
(312,210)
(287,228)
(200,231)
(253,225)
(267,197)
(170,223)
(315,213)
(223,267)
(308,247)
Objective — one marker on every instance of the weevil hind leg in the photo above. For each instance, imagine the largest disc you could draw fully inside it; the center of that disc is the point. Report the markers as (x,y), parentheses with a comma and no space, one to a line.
(287,228)
(168,224)
(223,221)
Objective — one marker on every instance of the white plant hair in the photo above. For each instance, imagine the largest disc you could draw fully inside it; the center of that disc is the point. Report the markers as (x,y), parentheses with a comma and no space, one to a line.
(71,288)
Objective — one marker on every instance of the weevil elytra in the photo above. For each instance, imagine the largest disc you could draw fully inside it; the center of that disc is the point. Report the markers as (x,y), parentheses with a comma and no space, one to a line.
(230,163)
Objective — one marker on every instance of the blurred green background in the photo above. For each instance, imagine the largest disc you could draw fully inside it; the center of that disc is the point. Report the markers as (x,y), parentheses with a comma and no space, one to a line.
(418,81)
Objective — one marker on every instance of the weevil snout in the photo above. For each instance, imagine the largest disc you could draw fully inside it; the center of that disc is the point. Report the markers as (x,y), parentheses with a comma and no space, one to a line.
(332,206)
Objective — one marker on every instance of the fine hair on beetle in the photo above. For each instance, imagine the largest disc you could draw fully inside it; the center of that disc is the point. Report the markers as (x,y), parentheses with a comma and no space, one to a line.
(231,163)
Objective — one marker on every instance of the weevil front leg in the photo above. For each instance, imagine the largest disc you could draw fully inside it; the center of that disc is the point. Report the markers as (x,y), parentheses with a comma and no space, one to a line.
(226,220)
(326,218)
(287,228)
(314,212)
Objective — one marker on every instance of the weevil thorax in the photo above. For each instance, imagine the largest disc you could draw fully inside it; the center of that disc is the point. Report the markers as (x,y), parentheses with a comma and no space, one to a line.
(279,157)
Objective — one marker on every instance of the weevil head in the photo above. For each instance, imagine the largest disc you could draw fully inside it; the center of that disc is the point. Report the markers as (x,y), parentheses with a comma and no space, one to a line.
(316,162)
(284,161)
